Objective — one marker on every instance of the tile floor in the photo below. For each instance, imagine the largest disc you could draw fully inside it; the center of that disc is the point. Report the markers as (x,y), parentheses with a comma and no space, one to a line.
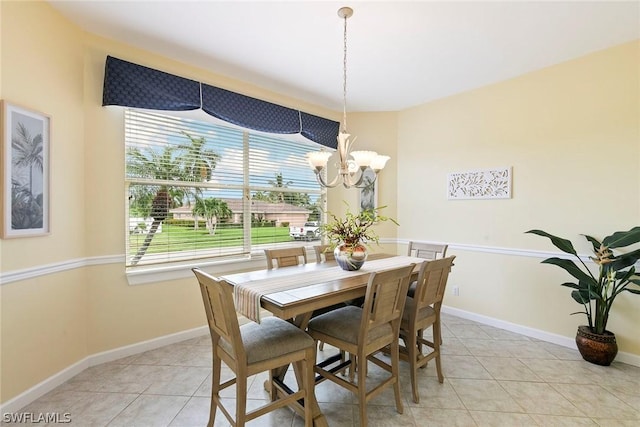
(492,378)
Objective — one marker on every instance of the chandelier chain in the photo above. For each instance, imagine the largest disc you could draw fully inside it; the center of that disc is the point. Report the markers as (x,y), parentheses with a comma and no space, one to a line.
(344,78)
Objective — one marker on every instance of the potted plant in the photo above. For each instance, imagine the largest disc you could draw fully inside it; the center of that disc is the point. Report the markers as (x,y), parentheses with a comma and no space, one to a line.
(596,292)
(349,235)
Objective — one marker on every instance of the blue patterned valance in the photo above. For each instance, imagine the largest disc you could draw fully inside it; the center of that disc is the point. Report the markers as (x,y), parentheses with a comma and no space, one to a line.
(249,112)
(132,85)
(319,129)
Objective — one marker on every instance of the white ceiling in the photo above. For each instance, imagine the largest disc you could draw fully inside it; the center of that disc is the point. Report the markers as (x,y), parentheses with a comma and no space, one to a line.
(400,54)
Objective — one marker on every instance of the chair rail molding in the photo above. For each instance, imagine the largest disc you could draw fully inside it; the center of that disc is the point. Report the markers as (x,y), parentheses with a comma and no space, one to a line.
(150,275)
(7,277)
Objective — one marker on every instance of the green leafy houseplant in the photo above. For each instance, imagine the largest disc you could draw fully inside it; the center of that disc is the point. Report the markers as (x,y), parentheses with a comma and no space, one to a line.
(353,229)
(349,235)
(597,292)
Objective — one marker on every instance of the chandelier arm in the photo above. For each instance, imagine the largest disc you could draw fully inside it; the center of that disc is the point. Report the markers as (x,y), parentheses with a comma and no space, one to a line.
(323,183)
(350,181)
(358,184)
(347,181)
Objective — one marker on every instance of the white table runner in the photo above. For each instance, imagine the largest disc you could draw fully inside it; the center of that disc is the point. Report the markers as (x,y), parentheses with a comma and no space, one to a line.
(247,295)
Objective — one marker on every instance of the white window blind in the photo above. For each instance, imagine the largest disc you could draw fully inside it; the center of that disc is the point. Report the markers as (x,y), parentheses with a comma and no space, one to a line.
(201,190)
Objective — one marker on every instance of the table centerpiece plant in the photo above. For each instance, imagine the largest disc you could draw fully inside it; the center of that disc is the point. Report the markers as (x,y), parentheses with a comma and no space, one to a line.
(596,291)
(350,235)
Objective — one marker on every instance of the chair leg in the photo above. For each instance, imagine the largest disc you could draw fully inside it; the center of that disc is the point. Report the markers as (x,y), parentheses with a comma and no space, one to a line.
(272,387)
(355,366)
(436,347)
(395,372)
(352,367)
(413,350)
(362,388)
(241,399)
(420,346)
(215,388)
(309,384)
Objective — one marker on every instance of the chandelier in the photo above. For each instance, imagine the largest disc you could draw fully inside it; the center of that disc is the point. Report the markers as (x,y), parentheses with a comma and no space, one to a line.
(351,165)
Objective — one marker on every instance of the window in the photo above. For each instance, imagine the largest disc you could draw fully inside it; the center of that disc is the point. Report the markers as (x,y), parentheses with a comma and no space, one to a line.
(201,190)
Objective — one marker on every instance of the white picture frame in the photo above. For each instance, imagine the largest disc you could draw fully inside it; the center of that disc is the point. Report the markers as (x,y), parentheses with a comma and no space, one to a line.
(25,174)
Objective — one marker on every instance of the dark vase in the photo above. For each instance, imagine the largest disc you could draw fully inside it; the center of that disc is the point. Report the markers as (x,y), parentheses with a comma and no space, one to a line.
(600,349)
(350,257)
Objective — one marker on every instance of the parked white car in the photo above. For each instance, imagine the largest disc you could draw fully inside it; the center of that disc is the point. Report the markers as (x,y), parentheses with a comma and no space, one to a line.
(309,231)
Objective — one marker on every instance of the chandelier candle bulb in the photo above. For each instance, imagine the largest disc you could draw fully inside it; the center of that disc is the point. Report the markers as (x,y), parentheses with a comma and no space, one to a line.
(379,162)
(318,159)
(363,158)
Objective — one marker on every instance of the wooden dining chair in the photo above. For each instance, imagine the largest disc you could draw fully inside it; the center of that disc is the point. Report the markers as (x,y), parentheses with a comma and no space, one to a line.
(362,332)
(428,251)
(288,257)
(422,311)
(285,257)
(324,253)
(250,349)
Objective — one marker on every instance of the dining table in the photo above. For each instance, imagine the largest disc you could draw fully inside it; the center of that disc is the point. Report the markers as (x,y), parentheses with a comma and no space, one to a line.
(294,293)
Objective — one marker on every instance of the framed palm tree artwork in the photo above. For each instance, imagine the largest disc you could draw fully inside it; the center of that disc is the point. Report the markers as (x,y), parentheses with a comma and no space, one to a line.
(25,172)
(369,191)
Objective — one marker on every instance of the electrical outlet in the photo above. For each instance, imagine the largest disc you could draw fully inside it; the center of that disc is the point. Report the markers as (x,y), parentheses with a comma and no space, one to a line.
(456,291)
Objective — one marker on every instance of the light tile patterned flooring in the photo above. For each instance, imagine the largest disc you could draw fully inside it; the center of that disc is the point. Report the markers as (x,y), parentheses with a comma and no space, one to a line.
(492,378)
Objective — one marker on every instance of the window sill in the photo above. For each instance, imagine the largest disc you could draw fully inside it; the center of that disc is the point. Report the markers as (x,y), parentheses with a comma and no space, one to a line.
(162,273)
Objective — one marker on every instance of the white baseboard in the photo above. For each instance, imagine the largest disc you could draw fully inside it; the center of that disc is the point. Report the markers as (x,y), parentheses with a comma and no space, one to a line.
(141,347)
(42,388)
(569,342)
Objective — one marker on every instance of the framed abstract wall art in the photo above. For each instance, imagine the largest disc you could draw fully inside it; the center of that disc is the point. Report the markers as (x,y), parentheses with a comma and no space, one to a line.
(25,171)
(480,184)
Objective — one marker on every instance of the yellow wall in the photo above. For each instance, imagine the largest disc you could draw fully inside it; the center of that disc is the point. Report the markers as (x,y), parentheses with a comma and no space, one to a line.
(571,133)
(44,320)
(556,127)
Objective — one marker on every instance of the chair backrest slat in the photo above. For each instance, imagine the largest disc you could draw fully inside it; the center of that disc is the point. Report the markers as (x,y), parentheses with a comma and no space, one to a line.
(220,309)
(285,257)
(432,282)
(324,251)
(427,250)
(384,299)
